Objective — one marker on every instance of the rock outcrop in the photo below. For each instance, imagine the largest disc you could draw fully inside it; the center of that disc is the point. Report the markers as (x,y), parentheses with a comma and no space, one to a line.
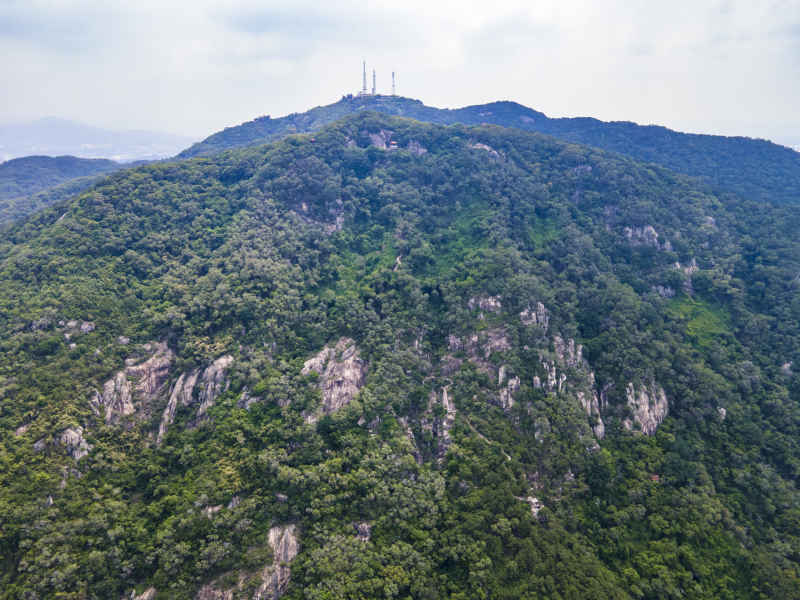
(648,405)
(440,426)
(485,303)
(148,594)
(486,148)
(646,236)
(537,315)
(136,386)
(211,384)
(566,371)
(591,404)
(341,373)
(381,139)
(508,387)
(535,504)
(72,439)
(274,578)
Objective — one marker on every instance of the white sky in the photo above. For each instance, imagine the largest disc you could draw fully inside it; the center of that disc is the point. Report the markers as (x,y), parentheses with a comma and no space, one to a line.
(193,67)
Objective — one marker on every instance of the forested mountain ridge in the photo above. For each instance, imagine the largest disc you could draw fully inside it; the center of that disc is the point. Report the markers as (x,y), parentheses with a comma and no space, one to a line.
(27,184)
(756,169)
(401,360)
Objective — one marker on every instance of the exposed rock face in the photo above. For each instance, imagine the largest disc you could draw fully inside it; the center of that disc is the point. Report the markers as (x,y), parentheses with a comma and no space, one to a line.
(646,236)
(136,386)
(274,577)
(246,400)
(212,383)
(148,594)
(648,405)
(537,315)
(664,291)
(116,401)
(341,371)
(568,352)
(363,531)
(380,139)
(72,439)
(508,387)
(478,348)
(441,426)
(485,303)
(591,405)
(486,147)
(535,504)
(566,371)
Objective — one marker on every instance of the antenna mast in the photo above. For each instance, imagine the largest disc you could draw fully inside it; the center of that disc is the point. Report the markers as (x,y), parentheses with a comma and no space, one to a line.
(373,82)
(394,93)
(364,87)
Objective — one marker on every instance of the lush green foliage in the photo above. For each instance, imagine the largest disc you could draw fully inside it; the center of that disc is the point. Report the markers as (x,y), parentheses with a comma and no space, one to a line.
(755,169)
(34,182)
(241,253)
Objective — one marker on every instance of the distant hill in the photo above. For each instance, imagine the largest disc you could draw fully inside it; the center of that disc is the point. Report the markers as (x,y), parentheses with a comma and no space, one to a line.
(33,182)
(53,137)
(754,168)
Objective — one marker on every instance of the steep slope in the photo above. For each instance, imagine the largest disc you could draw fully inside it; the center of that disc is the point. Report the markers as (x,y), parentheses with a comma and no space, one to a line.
(401,360)
(756,169)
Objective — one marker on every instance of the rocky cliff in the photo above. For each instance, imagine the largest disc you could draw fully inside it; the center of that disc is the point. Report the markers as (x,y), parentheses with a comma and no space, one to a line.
(341,373)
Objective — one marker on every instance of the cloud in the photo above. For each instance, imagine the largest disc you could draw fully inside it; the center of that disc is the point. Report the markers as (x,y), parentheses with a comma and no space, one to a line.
(194,67)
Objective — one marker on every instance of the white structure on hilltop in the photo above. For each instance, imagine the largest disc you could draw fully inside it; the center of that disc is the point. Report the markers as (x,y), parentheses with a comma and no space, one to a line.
(364,91)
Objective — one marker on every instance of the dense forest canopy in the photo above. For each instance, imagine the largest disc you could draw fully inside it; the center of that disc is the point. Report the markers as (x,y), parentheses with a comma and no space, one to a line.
(756,169)
(34,182)
(401,360)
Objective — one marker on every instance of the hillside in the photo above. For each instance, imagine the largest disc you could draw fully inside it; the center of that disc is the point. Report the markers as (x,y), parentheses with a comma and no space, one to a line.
(756,169)
(401,360)
(32,174)
(31,183)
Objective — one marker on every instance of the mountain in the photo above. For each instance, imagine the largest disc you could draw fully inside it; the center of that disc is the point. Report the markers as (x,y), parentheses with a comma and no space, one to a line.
(401,360)
(34,182)
(55,137)
(753,168)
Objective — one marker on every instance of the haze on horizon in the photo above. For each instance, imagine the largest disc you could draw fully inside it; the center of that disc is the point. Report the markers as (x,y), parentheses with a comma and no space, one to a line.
(192,68)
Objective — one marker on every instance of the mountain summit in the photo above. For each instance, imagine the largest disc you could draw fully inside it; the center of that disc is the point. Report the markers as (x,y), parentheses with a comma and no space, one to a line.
(756,169)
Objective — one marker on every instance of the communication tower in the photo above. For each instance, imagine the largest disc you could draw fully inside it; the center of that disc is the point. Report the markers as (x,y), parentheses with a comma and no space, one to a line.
(373,82)
(394,91)
(363,91)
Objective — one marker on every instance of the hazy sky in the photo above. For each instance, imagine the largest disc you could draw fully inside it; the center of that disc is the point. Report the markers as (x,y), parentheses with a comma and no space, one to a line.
(193,67)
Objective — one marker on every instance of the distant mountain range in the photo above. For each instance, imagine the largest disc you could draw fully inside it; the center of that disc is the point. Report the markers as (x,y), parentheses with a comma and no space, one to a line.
(55,137)
(755,168)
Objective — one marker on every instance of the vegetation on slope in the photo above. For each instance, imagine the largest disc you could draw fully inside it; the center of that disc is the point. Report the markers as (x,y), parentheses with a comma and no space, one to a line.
(755,169)
(34,182)
(268,254)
